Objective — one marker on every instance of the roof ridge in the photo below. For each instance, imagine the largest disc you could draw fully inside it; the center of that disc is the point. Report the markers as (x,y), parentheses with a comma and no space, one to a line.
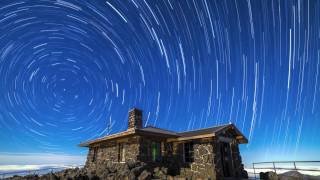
(159,128)
(219,126)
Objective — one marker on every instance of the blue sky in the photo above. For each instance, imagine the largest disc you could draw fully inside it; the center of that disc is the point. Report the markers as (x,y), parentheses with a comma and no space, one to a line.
(68,68)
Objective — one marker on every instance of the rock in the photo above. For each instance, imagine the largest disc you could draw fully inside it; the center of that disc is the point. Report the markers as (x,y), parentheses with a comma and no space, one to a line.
(160,172)
(269,175)
(170,177)
(164,170)
(50,176)
(132,164)
(105,174)
(137,170)
(124,173)
(132,176)
(112,169)
(295,175)
(243,173)
(30,177)
(82,177)
(111,176)
(156,169)
(95,178)
(145,175)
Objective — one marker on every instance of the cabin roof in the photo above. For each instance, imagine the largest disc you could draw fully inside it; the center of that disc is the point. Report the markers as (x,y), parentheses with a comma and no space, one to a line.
(108,137)
(174,136)
(158,130)
(203,131)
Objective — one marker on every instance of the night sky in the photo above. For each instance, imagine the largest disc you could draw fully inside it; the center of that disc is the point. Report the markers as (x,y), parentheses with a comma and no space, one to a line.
(70,69)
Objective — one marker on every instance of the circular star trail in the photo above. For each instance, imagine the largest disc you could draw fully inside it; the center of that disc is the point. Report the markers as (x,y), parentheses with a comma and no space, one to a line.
(71,70)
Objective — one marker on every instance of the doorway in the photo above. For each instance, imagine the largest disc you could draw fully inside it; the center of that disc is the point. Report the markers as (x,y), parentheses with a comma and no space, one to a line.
(226,163)
(155,151)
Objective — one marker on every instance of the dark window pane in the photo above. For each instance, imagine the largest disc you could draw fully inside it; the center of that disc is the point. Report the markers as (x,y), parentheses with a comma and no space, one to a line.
(188,152)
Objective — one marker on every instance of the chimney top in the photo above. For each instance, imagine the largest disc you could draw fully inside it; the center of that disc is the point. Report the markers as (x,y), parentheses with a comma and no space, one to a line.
(135,118)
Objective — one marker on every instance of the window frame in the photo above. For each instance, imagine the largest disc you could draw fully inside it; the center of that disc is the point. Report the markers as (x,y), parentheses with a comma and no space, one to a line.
(188,155)
(121,153)
(155,148)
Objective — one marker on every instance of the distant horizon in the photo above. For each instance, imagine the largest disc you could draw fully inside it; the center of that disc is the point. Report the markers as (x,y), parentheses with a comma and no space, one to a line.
(40,159)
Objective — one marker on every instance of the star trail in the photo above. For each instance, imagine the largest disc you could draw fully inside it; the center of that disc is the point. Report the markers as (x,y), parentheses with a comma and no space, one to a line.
(70,71)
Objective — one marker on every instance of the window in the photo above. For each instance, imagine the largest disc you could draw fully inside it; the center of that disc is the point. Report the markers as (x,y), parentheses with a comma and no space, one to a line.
(188,152)
(155,151)
(94,156)
(121,153)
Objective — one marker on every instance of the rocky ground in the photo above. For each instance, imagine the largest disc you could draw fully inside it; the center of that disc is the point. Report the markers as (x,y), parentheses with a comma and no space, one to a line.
(130,171)
(290,175)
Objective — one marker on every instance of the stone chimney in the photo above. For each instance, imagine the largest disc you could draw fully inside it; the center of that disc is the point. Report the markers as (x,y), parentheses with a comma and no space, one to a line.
(135,119)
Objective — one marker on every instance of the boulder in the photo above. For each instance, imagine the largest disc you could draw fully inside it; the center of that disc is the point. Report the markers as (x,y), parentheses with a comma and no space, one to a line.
(112,169)
(132,164)
(160,172)
(110,176)
(50,176)
(95,177)
(137,170)
(269,175)
(145,175)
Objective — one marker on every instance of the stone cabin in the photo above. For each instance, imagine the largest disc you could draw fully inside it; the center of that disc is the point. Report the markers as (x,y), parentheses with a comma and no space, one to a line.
(204,153)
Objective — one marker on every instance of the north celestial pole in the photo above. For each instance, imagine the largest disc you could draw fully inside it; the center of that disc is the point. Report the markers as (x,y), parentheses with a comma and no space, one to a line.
(69,69)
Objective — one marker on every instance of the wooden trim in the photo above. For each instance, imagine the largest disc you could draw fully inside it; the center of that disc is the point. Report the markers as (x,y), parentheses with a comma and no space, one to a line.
(113,136)
(241,139)
(154,134)
(124,140)
(190,138)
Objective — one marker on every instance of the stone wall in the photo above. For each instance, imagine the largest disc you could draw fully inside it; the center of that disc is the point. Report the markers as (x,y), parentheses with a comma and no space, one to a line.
(235,164)
(202,165)
(203,159)
(206,160)
(103,153)
(132,147)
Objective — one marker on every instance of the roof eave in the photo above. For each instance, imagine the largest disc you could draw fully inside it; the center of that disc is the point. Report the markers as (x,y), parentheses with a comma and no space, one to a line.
(240,137)
(181,138)
(242,140)
(106,138)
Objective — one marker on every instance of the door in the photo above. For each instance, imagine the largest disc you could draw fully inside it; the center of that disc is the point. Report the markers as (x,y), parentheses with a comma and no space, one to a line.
(225,158)
(155,150)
